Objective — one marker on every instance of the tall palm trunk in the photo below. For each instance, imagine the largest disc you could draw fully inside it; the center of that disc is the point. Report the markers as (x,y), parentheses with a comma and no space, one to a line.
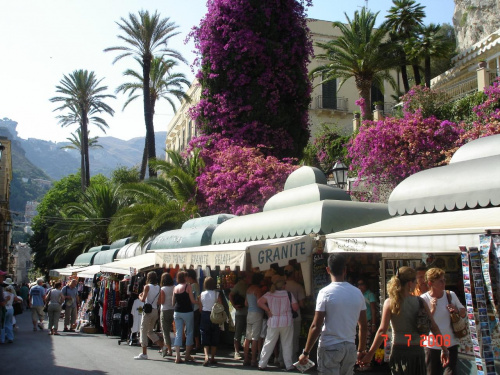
(148,113)
(85,151)
(404,77)
(144,162)
(427,71)
(82,167)
(364,87)
(416,73)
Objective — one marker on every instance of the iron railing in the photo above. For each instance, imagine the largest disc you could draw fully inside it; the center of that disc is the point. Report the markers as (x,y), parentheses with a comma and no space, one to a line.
(340,104)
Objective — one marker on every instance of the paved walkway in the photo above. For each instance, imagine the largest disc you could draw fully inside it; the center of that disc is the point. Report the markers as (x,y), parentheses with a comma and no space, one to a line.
(79,353)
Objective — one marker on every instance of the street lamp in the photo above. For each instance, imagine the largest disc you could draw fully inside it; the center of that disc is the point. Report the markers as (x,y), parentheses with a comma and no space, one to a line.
(339,172)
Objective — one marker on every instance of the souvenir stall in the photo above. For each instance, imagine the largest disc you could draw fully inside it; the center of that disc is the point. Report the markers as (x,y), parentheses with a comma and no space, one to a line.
(449,222)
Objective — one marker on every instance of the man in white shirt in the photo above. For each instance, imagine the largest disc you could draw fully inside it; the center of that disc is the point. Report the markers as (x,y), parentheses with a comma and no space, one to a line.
(339,308)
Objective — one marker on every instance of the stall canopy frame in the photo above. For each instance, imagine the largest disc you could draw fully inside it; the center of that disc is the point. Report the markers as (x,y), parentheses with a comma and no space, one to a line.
(441,232)
(140,262)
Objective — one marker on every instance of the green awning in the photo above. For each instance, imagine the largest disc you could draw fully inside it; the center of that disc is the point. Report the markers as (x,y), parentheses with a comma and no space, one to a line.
(85,259)
(98,248)
(322,217)
(118,244)
(106,256)
(205,221)
(180,238)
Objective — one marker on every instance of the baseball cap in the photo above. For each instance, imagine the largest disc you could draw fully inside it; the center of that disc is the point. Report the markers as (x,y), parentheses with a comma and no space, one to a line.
(289,268)
(3,273)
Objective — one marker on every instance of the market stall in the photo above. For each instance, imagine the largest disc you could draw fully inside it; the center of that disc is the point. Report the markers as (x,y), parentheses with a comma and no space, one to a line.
(445,218)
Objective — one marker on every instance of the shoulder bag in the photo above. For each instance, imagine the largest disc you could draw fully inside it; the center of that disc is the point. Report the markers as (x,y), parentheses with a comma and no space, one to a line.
(423,318)
(148,308)
(458,324)
(47,301)
(295,314)
(218,314)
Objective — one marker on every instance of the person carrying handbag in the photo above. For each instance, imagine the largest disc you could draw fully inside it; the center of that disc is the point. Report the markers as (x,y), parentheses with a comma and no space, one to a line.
(54,302)
(150,296)
(441,308)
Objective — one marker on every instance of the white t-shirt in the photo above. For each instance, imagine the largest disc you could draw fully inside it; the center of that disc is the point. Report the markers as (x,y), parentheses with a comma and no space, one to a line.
(442,318)
(168,291)
(208,298)
(9,303)
(342,304)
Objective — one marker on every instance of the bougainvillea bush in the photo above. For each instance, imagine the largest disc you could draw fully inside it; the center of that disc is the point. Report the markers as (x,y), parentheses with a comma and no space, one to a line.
(237,179)
(253,57)
(386,152)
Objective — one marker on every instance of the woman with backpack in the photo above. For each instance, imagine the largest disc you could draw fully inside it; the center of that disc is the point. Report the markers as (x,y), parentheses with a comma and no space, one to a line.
(210,332)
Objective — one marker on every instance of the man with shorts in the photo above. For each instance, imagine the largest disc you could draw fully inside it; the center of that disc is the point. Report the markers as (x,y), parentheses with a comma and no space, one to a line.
(37,301)
(340,306)
(70,294)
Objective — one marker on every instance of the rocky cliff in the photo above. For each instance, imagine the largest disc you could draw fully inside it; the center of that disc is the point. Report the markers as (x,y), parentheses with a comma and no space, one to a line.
(475,20)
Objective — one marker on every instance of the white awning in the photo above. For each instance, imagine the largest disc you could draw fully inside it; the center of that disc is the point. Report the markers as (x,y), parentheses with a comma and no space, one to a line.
(123,266)
(262,253)
(436,232)
(68,271)
(89,271)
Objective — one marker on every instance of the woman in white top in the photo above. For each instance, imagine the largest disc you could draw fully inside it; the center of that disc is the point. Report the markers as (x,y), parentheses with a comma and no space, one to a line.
(150,294)
(440,308)
(167,311)
(9,295)
(210,332)
(56,298)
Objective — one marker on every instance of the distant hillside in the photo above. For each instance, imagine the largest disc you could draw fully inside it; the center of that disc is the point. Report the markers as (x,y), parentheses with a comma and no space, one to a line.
(23,187)
(57,163)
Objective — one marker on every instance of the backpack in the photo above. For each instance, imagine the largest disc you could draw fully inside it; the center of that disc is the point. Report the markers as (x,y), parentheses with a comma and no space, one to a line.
(218,314)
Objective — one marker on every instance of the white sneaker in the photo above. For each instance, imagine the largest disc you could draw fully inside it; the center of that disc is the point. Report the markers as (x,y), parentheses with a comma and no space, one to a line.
(237,356)
(141,356)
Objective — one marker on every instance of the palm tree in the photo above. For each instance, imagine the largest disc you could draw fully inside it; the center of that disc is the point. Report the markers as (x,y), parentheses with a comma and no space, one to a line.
(82,97)
(145,35)
(162,203)
(76,141)
(85,223)
(358,52)
(164,84)
(403,20)
(430,43)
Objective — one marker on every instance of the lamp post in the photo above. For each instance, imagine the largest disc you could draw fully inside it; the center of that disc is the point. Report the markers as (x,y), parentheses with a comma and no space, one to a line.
(339,172)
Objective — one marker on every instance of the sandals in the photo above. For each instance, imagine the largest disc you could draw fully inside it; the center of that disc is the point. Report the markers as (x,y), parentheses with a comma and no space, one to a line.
(189,359)
(179,361)
(206,363)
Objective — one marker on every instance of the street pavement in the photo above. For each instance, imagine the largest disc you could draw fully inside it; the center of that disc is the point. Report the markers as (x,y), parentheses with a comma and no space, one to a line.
(79,353)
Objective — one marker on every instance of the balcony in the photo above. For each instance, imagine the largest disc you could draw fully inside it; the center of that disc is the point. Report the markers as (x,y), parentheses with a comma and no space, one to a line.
(335,104)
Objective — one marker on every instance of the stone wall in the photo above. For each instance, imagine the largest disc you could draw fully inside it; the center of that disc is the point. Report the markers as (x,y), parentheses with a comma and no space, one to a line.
(475,20)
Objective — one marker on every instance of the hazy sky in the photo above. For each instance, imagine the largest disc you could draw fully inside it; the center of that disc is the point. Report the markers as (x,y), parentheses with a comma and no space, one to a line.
(40,41)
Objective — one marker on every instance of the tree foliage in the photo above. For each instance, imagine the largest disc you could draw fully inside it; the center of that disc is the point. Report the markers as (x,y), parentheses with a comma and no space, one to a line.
(253,56)
(359,53)
(144,36)
(82,98)
(237,179)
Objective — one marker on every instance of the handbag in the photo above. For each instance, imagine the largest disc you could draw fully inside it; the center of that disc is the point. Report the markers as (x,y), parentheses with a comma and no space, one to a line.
(218,314)
(295,314)
(47,300)
(18,308)
(458,325)
(148,308)
(423,319)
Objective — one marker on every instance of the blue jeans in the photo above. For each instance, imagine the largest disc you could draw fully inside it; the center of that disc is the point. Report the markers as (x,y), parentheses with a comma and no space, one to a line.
(337,359)
(8,331)
(180,319)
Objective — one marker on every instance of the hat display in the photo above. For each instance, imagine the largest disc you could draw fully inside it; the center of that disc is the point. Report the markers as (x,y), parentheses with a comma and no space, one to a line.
(8,281)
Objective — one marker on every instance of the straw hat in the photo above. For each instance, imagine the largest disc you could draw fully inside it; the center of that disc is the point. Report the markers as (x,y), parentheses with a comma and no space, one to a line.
(8,281)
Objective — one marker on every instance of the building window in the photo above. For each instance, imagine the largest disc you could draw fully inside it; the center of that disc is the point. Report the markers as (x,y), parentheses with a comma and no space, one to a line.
(329,94)
(376,95)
